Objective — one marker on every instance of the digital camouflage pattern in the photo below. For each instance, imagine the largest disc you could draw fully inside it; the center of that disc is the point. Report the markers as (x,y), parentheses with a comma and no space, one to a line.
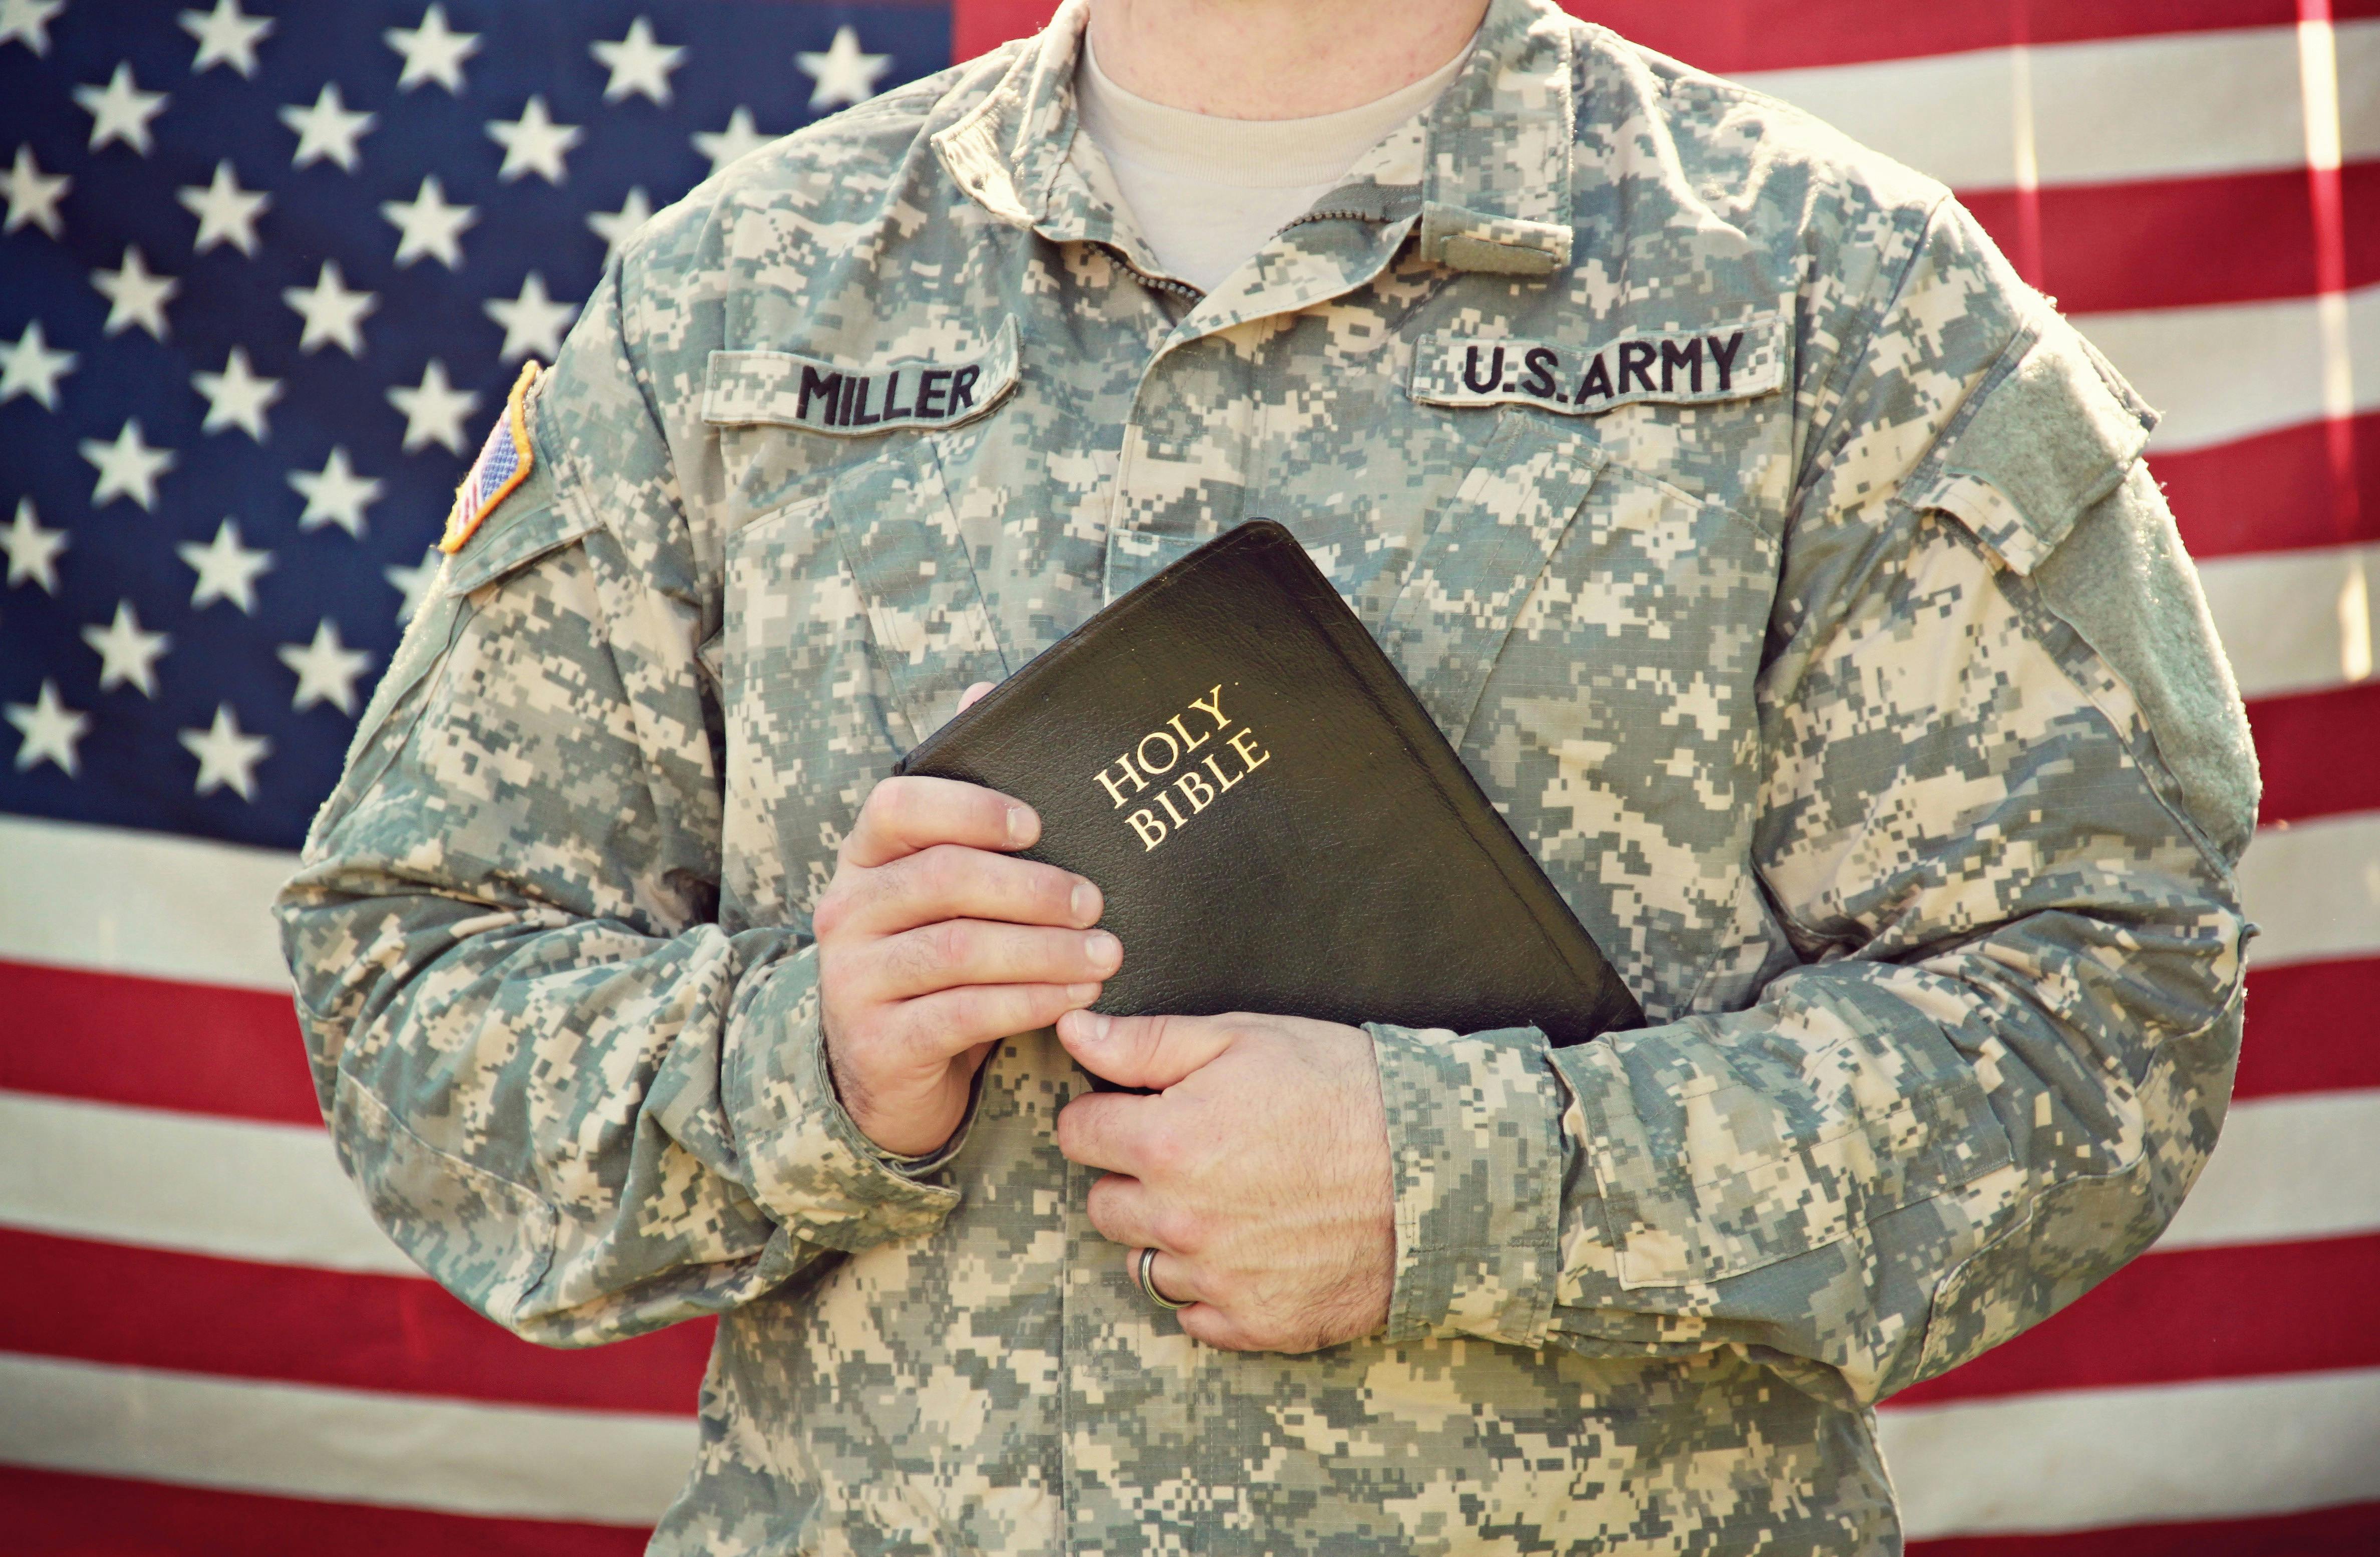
(1865,711)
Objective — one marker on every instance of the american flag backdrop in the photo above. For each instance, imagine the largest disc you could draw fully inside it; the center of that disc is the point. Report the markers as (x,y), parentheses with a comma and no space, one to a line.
(266,270)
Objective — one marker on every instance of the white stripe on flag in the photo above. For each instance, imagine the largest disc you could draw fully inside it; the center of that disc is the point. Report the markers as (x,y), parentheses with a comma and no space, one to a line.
(2231,370)
(303,1441)
(154,904)
(2117,111)
(238,1189)
(2091,1459)
(2287,1169)
(2294,621)
(2314,887)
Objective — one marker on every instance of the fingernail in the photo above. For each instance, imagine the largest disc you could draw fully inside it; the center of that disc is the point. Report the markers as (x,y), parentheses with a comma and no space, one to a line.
(1020,828)
(1104,950)
(1083,994)
(1095,1026)
(1085,902)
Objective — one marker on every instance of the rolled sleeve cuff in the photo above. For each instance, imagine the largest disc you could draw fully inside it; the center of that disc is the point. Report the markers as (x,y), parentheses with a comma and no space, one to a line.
(809,1165)
(1475,1139)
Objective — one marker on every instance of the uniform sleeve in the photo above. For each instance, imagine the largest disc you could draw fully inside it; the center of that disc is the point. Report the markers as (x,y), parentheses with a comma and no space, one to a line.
(566,1091)
(2006,780)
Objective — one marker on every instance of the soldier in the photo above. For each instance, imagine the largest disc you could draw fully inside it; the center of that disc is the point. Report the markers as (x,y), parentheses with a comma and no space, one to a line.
(1782,565)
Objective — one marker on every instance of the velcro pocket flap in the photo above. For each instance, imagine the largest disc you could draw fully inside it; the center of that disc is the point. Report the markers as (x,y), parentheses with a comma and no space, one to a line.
(2052,431)
(530,522)
(940,388)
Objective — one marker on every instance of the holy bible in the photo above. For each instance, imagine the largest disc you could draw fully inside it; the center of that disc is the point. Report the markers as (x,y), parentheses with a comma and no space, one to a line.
(1275,822)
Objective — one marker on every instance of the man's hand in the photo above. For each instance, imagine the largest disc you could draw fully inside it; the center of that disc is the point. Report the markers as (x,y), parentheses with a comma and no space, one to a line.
(933,945)
(1261,1175)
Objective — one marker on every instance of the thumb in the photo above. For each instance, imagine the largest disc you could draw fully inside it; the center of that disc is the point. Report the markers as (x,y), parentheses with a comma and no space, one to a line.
(1154,1051)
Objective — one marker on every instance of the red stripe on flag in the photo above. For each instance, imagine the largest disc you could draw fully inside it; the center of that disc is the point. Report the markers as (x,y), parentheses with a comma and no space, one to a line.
(193,1314)
(51,1514)
(2314,1027)
(2244,237)
(1787,34)
(2351,1530)
(2232,1312)
(2273,492)
(150,1043)
(2320,752)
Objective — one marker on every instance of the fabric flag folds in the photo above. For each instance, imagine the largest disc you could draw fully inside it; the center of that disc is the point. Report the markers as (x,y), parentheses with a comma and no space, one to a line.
(267,273)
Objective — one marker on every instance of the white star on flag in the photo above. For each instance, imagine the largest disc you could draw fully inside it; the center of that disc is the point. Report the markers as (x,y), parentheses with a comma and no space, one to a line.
(533,143)
(49,730)
(724,146)
(135,295)
(414,584)
(120,110)
(226,36)
(30,367)
(127,656)
(533,323)
(225,756)
(432,52)
(843,74)
(326,669)
(329,129)
(335,494)
(29,21)
(127,467)
(236,396)
(226,569)
(333,315)
(427,224)
(34,195)
(639,63)
(616,227)
(433,408)
(32,550)
(227,212)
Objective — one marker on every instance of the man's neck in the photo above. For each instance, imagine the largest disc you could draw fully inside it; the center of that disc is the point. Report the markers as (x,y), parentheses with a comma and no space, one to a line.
(1276,59)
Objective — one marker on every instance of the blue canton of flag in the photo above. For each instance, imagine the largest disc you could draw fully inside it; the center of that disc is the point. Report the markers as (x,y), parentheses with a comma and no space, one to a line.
(264,275)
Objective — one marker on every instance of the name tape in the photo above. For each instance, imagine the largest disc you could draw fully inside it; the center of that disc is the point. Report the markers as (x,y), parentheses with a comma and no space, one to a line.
(786,389)
(1680,366)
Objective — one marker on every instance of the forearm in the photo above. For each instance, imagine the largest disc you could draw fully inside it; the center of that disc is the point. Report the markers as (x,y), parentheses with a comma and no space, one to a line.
(583,1131)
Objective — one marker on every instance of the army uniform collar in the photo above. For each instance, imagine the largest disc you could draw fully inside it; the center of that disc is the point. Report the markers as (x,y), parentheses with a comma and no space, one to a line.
(1485,178)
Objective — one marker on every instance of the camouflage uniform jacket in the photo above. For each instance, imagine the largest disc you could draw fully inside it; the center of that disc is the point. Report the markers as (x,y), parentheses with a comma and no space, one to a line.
(1782,565)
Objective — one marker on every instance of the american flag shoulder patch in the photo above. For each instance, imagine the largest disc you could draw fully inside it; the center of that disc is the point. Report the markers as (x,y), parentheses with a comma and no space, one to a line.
(503,464)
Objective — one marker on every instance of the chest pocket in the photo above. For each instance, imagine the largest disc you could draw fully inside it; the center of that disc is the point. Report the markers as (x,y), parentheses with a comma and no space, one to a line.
(1483,554)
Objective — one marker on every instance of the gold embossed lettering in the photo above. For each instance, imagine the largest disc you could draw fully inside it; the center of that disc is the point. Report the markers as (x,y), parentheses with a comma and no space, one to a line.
(1166,800)
(1211,705)
(1172,753)
(1239,741)
(1219,778)
(1152,832)
(1196,790)
(1188,745)
(1116,787)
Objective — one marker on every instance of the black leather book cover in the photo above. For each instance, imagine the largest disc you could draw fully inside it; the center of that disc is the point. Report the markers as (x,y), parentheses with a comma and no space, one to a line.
(1275,822)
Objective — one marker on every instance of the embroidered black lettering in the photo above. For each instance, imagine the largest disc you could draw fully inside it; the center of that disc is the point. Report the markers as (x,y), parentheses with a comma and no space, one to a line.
(893,388)
(1541,363)
(962,388)
(1636,362)
(823,385)
(930,390)
(1689,357)
(860,417)
(1471,379)
(1598,383)
(1723,358)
